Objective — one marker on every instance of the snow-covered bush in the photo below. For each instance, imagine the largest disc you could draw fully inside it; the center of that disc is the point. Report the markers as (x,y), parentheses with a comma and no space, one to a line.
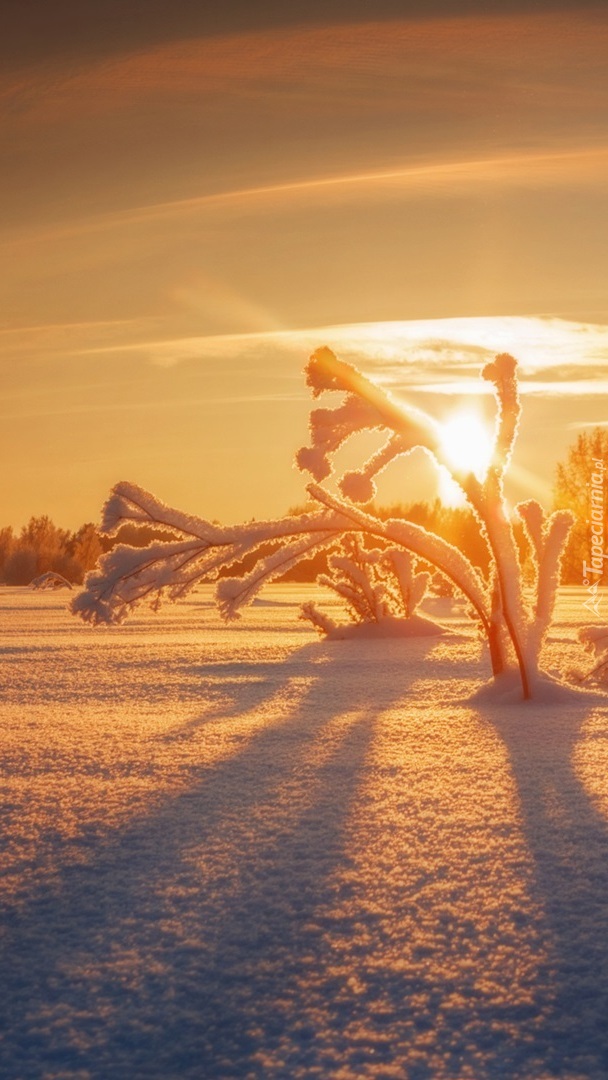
(513,627)
(595,641)
(50,580)
(378,587)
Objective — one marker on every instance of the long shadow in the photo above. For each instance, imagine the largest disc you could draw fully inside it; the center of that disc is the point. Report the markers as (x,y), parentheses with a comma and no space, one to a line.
(226,684)
(568,840)
(330,663)
(175,950)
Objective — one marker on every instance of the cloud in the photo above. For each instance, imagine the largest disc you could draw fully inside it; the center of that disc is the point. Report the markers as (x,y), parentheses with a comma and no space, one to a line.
(24,347)
(416,65)
(563,373)
(500,100)
(573,388)
(117,163)
(160,405)
(556,356)
(579,167)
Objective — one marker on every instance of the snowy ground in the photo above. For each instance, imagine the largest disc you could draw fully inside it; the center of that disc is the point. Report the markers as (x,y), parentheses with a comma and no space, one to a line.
(247,853)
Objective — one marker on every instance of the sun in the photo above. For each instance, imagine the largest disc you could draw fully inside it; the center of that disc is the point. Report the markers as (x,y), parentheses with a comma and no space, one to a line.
(466,442)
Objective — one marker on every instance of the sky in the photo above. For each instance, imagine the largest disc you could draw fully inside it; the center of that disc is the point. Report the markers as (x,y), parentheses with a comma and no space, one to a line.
(193,197)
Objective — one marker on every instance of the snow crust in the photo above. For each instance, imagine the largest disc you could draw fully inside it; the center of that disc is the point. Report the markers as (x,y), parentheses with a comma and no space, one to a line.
(247,853)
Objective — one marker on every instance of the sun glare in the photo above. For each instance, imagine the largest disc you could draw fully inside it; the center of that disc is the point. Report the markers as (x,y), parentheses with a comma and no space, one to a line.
(467,443)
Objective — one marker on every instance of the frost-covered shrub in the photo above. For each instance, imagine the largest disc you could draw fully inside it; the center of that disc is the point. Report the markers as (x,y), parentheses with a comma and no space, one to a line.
(513,626)
(377,586)
(50,580)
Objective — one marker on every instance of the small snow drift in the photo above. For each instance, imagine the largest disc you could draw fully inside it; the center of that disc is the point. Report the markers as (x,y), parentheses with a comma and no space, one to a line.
(546,690)
(388,627)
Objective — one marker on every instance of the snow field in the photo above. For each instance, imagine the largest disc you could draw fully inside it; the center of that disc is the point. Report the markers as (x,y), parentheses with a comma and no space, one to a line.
(245,852)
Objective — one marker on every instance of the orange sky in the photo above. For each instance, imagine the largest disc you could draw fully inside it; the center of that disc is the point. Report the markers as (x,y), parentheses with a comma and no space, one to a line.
(185,214)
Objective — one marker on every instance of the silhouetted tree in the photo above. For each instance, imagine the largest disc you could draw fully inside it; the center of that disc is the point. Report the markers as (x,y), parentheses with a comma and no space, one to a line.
(21,566)
(7,541)
(85,546)
(42,547)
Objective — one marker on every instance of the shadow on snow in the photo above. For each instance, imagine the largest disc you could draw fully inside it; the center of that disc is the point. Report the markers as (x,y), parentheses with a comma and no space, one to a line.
(567,838)
(191,945)
(179,948)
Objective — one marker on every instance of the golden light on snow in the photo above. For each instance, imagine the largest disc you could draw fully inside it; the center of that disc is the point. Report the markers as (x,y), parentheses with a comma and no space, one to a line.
(467,442)
(343,854)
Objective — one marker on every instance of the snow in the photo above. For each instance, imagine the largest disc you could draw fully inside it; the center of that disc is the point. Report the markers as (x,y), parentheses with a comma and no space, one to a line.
(389,626)
(248,853)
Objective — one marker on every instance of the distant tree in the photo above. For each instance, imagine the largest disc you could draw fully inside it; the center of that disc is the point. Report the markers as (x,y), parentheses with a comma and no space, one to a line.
(67,566)
(43,535)
(85,546)
(134,536)
(21,566)
(573,491)
(458,525)
(7,542)
(41,548)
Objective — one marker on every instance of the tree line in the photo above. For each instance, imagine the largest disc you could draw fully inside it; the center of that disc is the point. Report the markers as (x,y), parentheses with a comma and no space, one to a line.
(42,546)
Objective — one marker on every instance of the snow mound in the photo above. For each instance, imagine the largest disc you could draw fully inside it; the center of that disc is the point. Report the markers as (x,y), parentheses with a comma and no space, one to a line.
(506,689)
(444,606)
(388,627)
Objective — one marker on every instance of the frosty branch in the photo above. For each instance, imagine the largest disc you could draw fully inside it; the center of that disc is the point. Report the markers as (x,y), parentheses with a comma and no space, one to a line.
(197,550)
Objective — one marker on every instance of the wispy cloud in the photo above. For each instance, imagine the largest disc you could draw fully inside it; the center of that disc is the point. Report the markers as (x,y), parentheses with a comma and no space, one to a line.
(26,344)
(527,169)
(573,388)
(162,406)
(438,105)
(556,356)
(578,164)
(456,61)
(158,395)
